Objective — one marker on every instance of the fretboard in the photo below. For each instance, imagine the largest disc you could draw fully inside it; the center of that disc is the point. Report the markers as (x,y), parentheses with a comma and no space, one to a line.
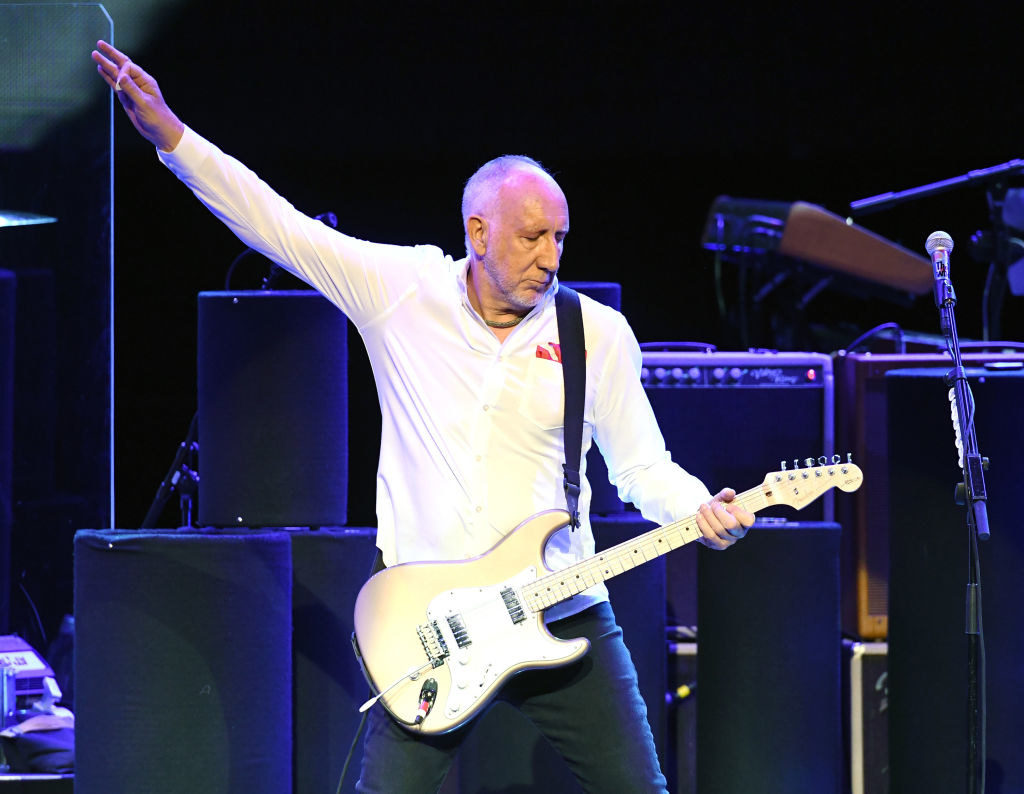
(564,584)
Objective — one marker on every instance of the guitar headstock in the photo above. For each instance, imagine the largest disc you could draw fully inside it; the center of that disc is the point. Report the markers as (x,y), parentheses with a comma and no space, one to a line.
(798,487)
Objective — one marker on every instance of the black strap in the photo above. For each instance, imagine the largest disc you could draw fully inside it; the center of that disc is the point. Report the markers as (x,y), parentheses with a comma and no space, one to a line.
(574,372)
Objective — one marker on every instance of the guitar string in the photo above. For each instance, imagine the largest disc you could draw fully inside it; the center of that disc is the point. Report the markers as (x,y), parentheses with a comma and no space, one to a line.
(555,587)
(544,592)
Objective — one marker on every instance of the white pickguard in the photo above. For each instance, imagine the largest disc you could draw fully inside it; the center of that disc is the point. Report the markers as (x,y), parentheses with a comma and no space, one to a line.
(496,643)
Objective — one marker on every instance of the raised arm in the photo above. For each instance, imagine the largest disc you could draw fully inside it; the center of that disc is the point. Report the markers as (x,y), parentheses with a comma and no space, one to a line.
(363,279)
(140,97)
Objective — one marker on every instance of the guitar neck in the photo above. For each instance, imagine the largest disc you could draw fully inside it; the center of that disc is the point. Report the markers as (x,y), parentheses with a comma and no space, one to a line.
(564,584)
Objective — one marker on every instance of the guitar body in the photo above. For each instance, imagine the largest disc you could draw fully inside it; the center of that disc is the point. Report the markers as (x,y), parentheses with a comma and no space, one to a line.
(438,639)
(465,618)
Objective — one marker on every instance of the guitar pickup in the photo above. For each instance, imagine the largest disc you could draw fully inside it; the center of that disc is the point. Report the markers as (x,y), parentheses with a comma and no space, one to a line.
(515,609)
(458,627)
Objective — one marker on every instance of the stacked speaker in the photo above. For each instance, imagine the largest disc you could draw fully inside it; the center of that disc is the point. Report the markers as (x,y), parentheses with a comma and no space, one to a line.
(273,409)
(904,563)
(928,554)
(757,697)
(862,418)
(220,659)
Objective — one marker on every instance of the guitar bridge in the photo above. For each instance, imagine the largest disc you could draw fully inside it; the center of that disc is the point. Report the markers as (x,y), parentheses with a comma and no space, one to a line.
(434,645)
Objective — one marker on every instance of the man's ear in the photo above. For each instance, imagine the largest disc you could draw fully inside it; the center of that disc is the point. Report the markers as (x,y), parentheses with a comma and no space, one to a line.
(476,233)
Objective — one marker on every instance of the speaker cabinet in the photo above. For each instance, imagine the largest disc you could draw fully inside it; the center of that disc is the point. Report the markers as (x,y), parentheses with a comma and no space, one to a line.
(273,410)
(183,662)
(768,658)
(329,568)
(928,545)
(778,404)
(866,716)
(862,428)
(681,708)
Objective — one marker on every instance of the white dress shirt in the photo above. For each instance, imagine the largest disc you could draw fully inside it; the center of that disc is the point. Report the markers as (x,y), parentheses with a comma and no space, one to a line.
(471,439)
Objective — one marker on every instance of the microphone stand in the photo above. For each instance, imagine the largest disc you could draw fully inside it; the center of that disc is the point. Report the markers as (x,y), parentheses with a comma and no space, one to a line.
(970,493)
(883,201)
(180,477)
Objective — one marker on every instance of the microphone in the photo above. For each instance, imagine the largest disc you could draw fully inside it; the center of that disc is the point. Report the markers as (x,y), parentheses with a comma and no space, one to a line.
(939,246)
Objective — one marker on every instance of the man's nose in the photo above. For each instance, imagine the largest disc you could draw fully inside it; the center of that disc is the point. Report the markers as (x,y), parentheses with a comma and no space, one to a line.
(549,255)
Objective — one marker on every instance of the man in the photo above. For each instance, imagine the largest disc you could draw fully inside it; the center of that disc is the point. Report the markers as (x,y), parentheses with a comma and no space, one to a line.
(467,364)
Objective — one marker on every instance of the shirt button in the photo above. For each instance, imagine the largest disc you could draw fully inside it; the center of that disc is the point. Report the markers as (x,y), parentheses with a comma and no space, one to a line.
(479,509)
(487,407)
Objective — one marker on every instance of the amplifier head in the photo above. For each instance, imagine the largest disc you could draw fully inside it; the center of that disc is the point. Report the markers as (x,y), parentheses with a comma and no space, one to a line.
(731,417)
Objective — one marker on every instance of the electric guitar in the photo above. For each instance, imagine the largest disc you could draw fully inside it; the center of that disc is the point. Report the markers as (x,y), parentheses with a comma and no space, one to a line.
(437,640)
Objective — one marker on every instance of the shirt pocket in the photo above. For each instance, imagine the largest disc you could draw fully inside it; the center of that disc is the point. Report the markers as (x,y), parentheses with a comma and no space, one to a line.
(543,400)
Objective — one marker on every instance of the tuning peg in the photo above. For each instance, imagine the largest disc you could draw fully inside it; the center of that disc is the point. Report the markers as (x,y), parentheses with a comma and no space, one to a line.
(796,463)
(808,462)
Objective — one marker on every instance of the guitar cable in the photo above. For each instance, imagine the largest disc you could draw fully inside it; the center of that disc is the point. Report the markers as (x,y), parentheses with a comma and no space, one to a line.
(351,751)
(376,694)
(428,694)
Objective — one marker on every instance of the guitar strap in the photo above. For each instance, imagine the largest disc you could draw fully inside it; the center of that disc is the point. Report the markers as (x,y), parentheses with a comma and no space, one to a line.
(574,372)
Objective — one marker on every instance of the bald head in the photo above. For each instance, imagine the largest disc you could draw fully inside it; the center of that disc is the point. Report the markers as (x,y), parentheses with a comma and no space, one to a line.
(483,189)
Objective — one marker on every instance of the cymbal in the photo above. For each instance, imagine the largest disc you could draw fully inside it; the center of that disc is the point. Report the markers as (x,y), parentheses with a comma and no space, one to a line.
(15,218)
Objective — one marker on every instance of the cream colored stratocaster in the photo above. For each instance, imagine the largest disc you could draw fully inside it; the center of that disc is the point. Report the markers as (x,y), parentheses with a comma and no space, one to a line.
(438,639)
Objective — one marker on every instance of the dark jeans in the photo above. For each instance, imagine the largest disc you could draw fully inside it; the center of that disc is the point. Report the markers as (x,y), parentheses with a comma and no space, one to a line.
(591,712)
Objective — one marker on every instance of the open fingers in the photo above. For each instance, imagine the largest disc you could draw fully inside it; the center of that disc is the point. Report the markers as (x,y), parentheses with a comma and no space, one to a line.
(107,68)
(111,52)
(113,65)
(120,78)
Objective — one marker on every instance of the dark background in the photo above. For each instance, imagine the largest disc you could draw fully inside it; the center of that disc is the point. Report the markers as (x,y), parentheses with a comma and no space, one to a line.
(644,111)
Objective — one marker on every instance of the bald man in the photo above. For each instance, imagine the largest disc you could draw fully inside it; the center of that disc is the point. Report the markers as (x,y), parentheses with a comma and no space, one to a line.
(466,359)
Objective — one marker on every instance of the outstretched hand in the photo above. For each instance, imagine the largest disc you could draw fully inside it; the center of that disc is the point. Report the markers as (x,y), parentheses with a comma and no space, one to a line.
(722,523)
(140,97)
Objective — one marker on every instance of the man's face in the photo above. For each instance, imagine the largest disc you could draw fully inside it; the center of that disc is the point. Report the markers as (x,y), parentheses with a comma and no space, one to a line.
(525,233)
